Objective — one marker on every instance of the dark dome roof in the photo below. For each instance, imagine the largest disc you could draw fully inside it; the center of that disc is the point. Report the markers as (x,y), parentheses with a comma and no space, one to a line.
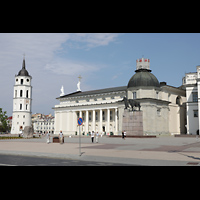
(143,77)
(23,71)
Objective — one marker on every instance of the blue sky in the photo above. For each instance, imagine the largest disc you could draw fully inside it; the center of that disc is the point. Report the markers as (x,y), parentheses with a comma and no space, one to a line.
(103,60)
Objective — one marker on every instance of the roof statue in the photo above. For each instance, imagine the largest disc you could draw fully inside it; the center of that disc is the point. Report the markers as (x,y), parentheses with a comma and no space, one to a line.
(79,84)
(62,91)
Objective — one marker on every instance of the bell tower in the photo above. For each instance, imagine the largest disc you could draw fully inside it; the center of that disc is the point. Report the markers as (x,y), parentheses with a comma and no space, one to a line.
(22,101)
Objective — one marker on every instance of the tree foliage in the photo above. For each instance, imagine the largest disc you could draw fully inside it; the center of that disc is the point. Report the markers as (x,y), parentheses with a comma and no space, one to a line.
(3,120)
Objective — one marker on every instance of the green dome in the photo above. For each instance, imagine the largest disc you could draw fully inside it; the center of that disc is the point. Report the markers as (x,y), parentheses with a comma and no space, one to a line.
(143,77)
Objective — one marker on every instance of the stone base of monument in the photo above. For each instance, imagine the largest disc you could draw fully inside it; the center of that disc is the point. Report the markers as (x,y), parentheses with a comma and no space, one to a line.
(132,123)
(28,132)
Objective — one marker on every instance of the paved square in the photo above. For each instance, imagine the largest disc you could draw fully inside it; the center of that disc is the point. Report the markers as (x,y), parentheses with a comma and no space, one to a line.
(169,150)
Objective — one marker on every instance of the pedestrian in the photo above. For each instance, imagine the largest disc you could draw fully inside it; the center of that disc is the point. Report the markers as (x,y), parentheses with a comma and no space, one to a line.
(61,137)
(92,136)
(97,137)
(101,134)
(48,137)
(122,134)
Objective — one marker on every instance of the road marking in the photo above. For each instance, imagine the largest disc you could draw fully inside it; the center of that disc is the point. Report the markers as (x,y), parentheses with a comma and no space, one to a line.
(6,164)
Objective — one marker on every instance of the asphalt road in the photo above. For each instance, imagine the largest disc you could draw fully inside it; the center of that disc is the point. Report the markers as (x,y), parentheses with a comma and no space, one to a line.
(12,160)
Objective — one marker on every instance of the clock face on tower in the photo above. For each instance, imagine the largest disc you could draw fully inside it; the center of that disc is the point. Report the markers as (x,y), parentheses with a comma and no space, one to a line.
(26,101)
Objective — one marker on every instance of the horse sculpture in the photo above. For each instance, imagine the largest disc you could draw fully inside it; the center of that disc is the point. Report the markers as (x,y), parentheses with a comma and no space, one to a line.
(131,102)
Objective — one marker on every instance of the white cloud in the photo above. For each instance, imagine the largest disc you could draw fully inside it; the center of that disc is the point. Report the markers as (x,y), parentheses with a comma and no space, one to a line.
(69,67)
(94,39)
(41,48)
(42,56)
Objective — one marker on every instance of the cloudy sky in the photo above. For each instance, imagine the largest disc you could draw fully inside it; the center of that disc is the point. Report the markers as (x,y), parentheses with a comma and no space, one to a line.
(102,59)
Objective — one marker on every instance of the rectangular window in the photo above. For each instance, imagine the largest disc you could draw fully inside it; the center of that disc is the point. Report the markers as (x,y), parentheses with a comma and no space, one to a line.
(111,115)
(96,117)
(20,106)
(83,116)
(22,81)
(195,96)
(90,116)
(103,115)
(157,95)
(134,95)
(195,113)
(21,93)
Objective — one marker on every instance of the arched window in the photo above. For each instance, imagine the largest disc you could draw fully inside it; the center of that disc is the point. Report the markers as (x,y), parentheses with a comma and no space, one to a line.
(178,100)
(26,93)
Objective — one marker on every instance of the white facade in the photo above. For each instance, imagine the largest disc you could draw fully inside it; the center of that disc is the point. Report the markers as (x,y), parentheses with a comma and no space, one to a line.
(99,109)
(192,83)
(22,101)
(163,107)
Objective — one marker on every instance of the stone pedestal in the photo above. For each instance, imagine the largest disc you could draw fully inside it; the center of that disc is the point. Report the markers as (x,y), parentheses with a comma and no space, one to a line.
(28,132)
(132,122)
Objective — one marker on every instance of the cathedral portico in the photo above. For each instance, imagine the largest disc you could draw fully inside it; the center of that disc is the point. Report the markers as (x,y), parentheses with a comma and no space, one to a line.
(99,120)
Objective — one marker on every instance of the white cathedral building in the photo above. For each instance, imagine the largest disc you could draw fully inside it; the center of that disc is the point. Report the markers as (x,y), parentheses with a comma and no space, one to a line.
(22,101)
(162,105)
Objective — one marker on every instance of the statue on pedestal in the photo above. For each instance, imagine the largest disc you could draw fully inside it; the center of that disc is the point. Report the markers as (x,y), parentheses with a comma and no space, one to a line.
(132,103)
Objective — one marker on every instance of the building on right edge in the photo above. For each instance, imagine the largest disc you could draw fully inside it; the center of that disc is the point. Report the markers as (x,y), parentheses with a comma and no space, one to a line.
(191,81)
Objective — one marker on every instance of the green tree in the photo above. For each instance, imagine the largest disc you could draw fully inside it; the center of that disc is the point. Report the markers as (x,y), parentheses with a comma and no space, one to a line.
(3,119)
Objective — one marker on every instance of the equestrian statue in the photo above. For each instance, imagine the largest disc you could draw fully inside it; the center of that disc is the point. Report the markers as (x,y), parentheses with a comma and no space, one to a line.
(132,103)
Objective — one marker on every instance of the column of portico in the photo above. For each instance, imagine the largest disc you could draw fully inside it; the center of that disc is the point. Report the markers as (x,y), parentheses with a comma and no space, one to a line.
(116,122)
(80,113)
(86,122)
(100,121)
(93,121)
(108,121)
